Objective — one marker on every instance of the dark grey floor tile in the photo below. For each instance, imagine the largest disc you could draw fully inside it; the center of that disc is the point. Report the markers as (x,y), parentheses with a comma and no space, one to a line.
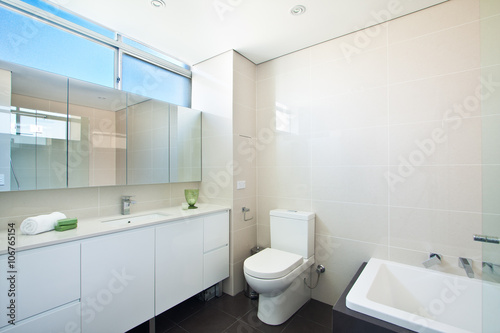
(163,323)
(242,327)
(142,328)
(318,312)
(184,310)
(236,306)
(302,325)
(175,329)
(208,320)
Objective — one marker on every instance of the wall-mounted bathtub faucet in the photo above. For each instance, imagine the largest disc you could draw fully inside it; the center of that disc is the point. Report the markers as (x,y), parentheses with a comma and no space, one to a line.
(467,265)
(434,259)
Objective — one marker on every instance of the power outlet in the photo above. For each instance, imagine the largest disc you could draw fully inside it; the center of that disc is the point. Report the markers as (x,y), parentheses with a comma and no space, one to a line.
(241,184)
(2,179)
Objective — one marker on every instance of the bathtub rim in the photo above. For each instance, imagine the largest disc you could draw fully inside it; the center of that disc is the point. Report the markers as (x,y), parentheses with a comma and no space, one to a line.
(357,301)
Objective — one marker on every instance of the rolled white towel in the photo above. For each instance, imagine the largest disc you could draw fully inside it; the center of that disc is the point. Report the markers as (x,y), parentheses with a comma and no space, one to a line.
(41,223)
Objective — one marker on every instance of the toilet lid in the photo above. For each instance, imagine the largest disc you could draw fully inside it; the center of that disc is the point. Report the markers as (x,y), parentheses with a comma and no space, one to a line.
(271,263)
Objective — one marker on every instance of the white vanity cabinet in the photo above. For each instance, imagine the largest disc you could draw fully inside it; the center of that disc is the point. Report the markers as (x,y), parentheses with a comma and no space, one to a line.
(215,248)
(179,262)
(117,281)
(46,281)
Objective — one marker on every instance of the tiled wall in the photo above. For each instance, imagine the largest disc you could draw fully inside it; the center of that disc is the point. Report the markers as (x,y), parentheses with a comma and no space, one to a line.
(244,226)
(380,134)
(224,88)
(88,202)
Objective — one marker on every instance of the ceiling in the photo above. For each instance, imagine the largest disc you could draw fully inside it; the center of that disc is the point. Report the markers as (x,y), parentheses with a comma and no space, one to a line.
(260,30)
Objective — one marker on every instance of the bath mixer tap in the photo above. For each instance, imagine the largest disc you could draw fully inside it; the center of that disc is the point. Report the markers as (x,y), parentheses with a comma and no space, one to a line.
(467,265)
(434,259)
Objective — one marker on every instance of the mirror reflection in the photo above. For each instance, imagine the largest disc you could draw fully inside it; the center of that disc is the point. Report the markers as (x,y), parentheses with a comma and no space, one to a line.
(57,132)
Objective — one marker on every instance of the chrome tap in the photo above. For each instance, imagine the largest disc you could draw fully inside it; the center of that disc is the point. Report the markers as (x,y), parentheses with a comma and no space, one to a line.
(434,259)
(467,265)
(126,202)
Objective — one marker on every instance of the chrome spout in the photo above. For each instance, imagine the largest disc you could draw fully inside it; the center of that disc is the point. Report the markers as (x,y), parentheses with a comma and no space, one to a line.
(467,265)
(434,259)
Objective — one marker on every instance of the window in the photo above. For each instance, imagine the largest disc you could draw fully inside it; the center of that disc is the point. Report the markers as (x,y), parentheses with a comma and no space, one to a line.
(142,78)
(38,34)
(32,43)
(70,17)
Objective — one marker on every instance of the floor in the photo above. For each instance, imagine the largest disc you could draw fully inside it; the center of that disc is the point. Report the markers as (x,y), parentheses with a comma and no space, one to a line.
(237,314)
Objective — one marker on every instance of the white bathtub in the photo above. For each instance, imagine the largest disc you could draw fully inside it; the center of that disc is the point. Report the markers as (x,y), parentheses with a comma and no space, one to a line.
(424,300)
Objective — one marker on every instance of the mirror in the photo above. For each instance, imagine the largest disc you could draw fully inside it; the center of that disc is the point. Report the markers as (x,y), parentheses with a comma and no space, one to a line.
(58,132)
(185,144)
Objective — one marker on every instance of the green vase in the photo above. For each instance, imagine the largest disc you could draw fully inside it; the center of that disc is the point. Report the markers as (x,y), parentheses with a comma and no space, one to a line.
(191,197)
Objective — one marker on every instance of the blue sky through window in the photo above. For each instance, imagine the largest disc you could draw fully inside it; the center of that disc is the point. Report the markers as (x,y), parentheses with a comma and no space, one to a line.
(35,44)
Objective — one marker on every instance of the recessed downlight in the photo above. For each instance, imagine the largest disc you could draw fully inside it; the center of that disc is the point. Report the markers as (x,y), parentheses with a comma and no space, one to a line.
(298,10)
(157,3)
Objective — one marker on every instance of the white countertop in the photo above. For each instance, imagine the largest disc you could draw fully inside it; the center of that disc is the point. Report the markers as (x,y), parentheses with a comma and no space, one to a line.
(92,227)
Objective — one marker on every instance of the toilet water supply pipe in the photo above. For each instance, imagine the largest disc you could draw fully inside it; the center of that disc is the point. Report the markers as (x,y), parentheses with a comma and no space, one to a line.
(320,269)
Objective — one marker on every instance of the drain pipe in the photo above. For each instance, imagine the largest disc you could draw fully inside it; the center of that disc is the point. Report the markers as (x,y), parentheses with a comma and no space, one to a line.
(320,269)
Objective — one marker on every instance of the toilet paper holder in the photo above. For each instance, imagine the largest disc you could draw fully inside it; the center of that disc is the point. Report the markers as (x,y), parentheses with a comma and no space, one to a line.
(245,211)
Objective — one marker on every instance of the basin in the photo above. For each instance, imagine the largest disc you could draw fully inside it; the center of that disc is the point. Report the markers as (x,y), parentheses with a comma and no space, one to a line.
(136,219)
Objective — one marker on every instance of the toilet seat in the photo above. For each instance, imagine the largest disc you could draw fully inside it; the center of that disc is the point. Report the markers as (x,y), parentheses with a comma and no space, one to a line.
(272,264)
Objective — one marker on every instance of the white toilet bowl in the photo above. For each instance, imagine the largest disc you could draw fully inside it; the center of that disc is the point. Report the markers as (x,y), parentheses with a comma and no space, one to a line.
(278,277)
(278,273)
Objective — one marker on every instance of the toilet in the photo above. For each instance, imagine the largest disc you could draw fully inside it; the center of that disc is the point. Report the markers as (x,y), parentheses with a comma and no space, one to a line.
(277,273)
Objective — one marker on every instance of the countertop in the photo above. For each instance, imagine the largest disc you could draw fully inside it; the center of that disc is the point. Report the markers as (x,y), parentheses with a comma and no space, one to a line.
(92,227)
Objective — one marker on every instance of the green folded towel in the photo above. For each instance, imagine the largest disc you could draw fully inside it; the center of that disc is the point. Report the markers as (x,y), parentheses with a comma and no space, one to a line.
(69,221)
(65,227)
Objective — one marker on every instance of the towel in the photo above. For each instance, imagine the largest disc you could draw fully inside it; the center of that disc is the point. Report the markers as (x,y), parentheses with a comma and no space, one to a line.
(41,223)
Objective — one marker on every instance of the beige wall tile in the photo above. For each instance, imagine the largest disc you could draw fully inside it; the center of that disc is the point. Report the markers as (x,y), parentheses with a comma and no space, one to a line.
(350,184)
(341,258)
(364,108)
(435,54)
(445,232)
(361,146)
(443,16)
(434,98)
(367,223)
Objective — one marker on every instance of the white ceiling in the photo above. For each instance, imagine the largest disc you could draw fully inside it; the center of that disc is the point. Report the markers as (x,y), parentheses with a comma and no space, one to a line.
(260,30)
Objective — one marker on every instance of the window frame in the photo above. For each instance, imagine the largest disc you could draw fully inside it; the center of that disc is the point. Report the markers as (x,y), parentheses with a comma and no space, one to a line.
(117,44)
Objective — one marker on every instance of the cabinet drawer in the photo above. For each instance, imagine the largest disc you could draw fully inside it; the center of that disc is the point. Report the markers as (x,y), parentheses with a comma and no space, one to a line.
(216,231)
(62,319)
(215,266)
(46,278)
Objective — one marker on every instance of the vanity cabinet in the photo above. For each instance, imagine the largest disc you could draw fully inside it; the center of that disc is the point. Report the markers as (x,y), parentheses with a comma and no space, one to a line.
(179,262)
(65,318)
(46,281)
(215,248)
(114,282)
(117,281)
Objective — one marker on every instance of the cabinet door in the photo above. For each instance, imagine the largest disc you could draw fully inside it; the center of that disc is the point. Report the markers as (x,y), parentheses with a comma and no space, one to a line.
(45,278)
(216,231)
(216,249)
(62,319)
(117,281)
(179,262)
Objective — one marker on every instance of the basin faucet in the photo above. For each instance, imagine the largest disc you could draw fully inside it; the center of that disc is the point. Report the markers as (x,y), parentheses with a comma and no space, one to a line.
(434,259)
(467,265)
(126,202)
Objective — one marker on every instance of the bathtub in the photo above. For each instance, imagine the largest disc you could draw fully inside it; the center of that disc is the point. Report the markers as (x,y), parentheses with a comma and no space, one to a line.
(424,300)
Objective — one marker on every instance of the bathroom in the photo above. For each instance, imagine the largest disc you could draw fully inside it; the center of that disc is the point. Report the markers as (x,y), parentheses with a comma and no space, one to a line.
(379,132)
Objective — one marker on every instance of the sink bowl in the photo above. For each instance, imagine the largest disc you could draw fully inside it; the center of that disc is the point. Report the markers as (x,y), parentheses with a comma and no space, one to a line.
(135,219)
